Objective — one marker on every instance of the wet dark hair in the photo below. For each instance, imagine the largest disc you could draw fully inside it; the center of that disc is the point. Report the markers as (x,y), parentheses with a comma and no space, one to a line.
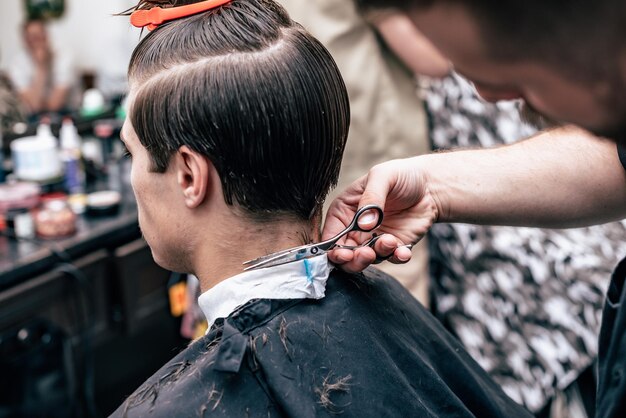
(251,90)
(581,38)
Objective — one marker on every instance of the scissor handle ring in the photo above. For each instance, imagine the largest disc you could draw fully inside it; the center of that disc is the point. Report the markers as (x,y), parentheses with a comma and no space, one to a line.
(355,223)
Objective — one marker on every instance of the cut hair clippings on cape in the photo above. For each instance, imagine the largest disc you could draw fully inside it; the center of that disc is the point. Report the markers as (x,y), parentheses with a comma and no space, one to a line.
(152,18)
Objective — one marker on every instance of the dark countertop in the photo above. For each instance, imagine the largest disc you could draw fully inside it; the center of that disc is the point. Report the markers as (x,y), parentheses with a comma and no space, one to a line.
(22,259)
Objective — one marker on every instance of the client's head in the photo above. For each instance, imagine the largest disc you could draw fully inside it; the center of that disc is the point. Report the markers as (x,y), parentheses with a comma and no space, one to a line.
(236,114)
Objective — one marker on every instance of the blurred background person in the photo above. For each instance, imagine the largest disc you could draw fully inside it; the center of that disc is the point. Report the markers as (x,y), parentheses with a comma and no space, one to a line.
(44,76)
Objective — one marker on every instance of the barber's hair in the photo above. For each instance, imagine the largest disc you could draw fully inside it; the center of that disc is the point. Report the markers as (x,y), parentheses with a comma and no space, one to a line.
(579,37)
(251,90)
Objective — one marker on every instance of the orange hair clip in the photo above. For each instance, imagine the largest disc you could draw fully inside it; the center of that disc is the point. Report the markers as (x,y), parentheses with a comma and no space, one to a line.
(152,18)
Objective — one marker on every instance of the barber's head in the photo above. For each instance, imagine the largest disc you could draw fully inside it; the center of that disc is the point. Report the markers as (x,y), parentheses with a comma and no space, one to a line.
(242,94)
(566,58)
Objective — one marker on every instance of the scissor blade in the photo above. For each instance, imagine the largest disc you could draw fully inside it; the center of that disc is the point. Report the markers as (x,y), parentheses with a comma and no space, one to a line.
(283,257)
(273,256)
(277,261)
(268,261)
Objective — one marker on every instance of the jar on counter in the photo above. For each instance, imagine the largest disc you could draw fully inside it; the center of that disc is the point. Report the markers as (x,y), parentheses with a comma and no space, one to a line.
(55,219)
(16,201)
(18,195)
(20,223)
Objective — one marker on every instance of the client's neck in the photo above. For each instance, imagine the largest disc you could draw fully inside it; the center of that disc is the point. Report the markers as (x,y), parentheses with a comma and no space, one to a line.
(237,239)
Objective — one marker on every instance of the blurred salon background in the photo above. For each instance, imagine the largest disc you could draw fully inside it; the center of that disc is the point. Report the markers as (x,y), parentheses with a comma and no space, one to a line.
(86,315)
(98,43)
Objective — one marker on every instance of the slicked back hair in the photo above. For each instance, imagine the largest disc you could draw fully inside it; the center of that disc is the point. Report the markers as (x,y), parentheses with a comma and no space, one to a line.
(252,91)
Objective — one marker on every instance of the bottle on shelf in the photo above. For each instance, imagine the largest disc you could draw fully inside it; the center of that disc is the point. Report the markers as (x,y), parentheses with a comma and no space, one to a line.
(74,174)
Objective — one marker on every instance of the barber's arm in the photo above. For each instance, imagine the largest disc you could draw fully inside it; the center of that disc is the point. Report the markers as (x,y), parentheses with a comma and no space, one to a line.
(561,178)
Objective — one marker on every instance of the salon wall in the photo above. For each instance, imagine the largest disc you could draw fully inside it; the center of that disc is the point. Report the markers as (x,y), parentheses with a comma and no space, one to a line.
(98,42)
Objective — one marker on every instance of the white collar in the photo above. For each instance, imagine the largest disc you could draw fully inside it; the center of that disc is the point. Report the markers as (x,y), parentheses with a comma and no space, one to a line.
(304,279)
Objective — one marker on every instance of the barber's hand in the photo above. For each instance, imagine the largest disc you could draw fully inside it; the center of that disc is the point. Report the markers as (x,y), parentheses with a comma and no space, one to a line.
(401,189)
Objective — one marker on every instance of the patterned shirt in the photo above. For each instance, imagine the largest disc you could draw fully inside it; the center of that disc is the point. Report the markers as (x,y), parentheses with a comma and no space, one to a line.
(525,302)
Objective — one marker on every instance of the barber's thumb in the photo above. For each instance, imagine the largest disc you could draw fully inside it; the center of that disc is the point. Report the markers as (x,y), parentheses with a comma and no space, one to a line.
(375,192)
(369,218)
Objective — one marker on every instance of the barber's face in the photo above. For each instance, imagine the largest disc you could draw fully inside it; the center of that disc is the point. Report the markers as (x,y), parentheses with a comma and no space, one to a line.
(546,91)
(158,205)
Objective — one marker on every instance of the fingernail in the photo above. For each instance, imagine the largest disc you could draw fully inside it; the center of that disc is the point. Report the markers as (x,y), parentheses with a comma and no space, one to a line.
(367,218)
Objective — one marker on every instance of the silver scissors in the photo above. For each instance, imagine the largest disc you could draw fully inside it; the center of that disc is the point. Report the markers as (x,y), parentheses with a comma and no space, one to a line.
(312,250)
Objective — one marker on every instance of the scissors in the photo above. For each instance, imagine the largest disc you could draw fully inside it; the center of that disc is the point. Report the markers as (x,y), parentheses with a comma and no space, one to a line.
(312,250)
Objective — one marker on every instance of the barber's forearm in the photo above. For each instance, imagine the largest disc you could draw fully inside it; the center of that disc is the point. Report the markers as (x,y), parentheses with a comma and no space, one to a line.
(562,178)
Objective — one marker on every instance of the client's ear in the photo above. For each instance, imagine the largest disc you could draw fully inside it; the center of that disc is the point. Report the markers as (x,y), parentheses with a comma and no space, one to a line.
(192,174)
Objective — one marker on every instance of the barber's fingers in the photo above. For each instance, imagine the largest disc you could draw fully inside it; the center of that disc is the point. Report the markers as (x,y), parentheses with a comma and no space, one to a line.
(361,259)
(377,186)
(389,248)
(386,248)
(401,255)
(341,256)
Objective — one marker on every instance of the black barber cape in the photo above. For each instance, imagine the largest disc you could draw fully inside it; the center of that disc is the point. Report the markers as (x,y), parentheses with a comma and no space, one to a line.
(611,397)
(368,349)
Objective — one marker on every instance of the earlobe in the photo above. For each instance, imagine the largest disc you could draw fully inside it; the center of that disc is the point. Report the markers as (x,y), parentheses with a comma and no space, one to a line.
(192,176)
